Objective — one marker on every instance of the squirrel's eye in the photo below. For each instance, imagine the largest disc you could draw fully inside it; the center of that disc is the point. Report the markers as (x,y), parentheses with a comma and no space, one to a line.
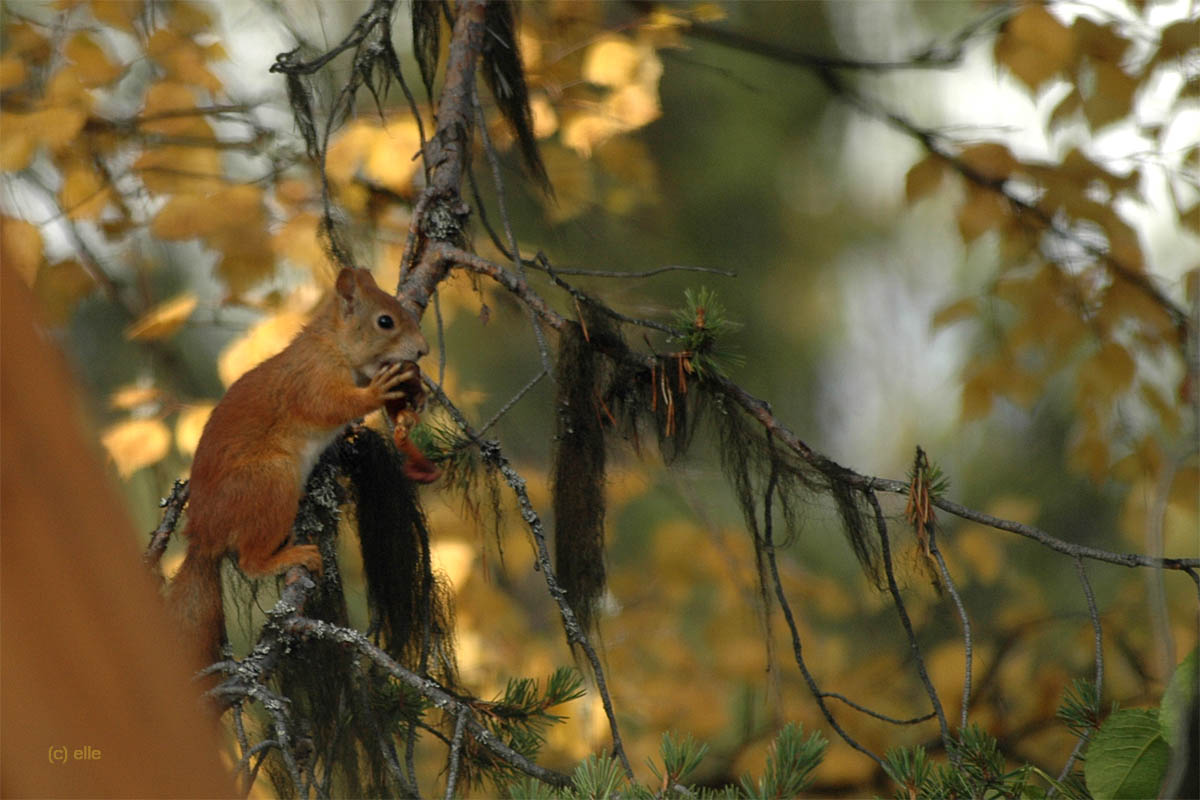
(386,322)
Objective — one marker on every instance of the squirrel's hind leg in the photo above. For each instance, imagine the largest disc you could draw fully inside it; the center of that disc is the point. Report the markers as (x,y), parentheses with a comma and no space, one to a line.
(265,546)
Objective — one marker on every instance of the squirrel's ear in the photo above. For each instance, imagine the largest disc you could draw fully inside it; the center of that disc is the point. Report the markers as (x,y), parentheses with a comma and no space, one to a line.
(346,285)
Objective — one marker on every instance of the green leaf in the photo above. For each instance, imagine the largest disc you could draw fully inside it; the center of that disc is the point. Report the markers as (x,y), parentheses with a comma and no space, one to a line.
(1178,699)
(1128,756)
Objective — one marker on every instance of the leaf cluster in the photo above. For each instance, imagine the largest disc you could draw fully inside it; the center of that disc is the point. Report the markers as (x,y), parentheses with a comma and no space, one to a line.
(703,327)
(788,772)
(520,717)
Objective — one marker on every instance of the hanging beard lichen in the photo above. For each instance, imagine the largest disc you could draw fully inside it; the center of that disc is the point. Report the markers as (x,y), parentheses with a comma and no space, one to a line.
(349,714)
(410,607)
(751,462)
(504,74)
(578,487)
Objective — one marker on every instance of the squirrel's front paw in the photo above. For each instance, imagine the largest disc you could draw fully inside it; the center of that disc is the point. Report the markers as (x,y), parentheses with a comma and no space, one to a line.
(387,382)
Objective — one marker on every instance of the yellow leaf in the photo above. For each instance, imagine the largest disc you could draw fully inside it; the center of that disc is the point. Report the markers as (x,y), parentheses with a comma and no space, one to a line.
(660,19)
(1071,103)
(135,444)
(21,247)
(293,192)
(545,120)
(245,260)
(530,46)
(1123,244)
(1124,302)
(1082,171)
(242,237)
(66,89)
(16,147)
(84,194)
(1021,387)
(95,67)
(1145,462)
(238,206)
(976,399)
(982,211)
(613,61)
(1111,98)
(181,58)
(389,159)
(1109,371)
(12,72)
(258,344)
(53,127)
(991,160)
(170,109)
(170,170)
(190,18)
(189,425)
(1035,46)
(23,41)
(1185,490)
(708,12)
(1089,455)
(633,106)
(214,51)
(1179,38)
(185,216)
(162,321)
(60,287)
(923,177)
(348,150)
(118,14)
(1168,414)
(584,132)
(965,308)
(454,559)
(1099,41)
(297,241)
(133,396)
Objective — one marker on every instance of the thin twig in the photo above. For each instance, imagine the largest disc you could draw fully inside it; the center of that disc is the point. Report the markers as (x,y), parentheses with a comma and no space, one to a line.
(898,601)
(797,647)
(646,273)
(172,506)
(440,324)
(934,56)
(876,714)
(583,297)
(968,644)
(575,633)
(1094,614)
(512,402)
(502,207)
(455,753)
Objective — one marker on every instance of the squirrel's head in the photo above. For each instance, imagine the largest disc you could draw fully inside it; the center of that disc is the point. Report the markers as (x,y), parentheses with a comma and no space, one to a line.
(374,328)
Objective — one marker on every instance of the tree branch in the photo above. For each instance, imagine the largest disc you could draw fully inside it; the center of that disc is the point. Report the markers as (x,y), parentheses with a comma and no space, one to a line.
(439,697)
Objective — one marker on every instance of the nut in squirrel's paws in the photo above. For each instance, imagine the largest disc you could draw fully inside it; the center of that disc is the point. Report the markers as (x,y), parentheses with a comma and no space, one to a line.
(404,415)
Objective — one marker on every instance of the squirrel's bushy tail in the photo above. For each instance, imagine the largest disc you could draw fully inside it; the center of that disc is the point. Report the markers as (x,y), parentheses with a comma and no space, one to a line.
(194,597)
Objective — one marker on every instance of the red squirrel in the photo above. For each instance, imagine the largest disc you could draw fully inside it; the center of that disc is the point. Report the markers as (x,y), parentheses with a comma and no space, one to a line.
(266,434)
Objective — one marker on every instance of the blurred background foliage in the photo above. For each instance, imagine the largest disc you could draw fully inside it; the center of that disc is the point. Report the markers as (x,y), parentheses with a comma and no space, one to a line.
(892,288)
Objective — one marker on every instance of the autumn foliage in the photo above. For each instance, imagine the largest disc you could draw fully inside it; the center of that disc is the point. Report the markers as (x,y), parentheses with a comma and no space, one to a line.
(162,205)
